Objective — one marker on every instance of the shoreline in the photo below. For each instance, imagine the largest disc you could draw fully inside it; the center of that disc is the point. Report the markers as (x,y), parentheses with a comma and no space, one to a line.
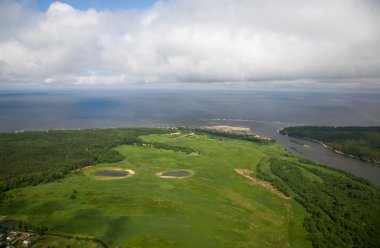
(334,150)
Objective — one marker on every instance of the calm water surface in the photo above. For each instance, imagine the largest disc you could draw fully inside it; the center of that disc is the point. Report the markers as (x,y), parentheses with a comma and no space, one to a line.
(264,112)
(112,173)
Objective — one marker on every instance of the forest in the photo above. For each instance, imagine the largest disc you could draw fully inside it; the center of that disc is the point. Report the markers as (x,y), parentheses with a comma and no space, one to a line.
(344,210)
(360,142)
(33,157)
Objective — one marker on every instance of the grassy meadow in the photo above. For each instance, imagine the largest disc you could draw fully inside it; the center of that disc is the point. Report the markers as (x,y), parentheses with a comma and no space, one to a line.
(214,207)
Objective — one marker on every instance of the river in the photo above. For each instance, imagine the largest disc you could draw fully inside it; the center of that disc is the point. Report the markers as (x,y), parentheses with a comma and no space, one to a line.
(309,149)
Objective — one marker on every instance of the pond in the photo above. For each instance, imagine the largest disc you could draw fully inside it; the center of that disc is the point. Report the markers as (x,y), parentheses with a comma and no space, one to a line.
(176,174)
(112,173)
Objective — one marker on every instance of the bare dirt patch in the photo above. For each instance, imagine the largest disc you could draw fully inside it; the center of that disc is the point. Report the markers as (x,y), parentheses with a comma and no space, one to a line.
(247,174)
(235,130)
(174,174)
(230,129)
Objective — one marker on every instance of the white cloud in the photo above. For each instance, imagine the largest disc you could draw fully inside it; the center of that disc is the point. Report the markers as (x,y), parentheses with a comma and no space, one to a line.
(192,41)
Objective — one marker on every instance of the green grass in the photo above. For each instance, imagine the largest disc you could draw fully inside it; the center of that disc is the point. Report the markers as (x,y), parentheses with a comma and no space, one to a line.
(215,207)
(54,241)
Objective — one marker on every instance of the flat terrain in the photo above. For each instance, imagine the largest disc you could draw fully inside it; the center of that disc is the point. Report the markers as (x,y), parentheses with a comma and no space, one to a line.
(213,207)
(239,193)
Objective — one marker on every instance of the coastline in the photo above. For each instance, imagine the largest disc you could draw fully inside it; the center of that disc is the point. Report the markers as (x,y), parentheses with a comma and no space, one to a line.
(333,149)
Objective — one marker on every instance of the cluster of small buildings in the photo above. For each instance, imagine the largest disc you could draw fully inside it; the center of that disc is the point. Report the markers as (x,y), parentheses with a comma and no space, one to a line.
(15,239)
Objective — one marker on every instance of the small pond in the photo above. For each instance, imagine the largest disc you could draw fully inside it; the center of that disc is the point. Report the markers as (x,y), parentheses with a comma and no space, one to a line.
(176,174)
(112,173)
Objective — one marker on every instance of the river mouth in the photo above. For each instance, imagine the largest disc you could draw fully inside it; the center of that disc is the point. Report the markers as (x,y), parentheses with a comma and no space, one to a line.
(112,173)
(175,174)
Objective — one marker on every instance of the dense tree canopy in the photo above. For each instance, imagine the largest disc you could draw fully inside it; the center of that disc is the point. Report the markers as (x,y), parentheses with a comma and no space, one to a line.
(34,157)
(344,210)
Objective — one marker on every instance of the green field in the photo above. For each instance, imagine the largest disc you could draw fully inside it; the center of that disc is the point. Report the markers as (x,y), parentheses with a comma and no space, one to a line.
(54,241)
(214,207)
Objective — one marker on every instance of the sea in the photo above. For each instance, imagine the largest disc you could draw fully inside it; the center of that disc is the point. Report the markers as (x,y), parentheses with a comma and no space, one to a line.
(264,111)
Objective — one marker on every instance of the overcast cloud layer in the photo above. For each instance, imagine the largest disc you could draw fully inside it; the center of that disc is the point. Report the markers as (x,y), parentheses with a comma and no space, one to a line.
(194,41)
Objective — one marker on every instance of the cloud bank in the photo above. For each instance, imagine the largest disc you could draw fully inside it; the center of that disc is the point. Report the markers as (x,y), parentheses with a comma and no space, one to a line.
(197,41)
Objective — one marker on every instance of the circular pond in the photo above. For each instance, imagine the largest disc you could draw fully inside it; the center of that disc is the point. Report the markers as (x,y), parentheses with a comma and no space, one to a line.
(112,173)
(176,174)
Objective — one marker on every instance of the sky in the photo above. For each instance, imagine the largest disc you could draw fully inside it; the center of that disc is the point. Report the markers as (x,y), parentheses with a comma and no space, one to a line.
(100,5)
(265,43)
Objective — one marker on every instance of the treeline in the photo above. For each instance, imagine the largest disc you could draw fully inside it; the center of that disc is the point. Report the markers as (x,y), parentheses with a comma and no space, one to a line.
(29,158)
(231,135)
(344,212)
(274,180)
(24,226)
(360,142)
(161,145)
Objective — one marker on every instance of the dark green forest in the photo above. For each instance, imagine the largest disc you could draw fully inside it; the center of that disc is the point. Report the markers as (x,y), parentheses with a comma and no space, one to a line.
(30,158)
(344,210)
(360,142)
